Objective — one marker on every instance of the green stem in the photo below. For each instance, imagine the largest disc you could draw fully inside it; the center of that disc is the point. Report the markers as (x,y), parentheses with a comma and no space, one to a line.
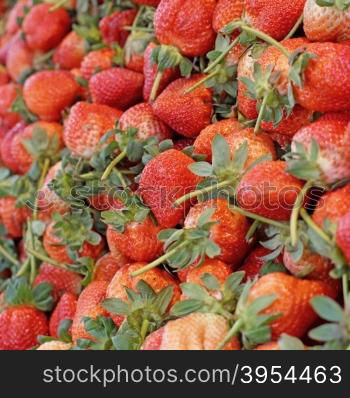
(155,86)
(261,113)
(88,176)
(137,18)
(296,211)
(8,256)
(139,28)
(252,230)
(41,181)
(198,192)
(222,56)
(46,259)
(121,178)
(59,4)
(309,221)
(231,334)
(295,27)
(32,258)
(23,268)
(160,260)
(113,163)
(345,282)
(144,329)
(202,81)
(259,218)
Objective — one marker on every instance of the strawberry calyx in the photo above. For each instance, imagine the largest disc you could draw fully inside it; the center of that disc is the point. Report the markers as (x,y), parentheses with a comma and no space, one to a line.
(136,44)
(20,107)
(341,5)
(8,252)
(102,330)
(63,333)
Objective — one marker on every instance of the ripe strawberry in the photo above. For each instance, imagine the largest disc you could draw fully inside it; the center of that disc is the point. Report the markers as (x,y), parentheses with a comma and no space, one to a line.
(88,305)
(332,206)
(47,93)
(341,116)
(117,87)
(43,28)
(107,266)
(8,94)
(13,217)
(4,76)
(343,236)
(142,117)
(165,179)
(65,309)
(19,152)
(55,346)
(292,301)
(177,25)
(183,143)
(62,281)
(20,326)
(326,23)
(134,50)
(269,191)
(214,267)
(86,125)
(112,26)
(229,233)
(70,53)
(150,73)
(207,330)
(225,127)
(227,11)
(15,15)
(103,202)
(6,153)
(152,3)
(186,113)
(19,60)
(83,93)
(96,61)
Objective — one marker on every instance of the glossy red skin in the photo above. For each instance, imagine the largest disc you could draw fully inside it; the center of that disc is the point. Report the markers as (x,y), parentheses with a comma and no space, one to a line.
(70,53)
(187,114)
(19,59)
(89,305)
(343,236)
(86,125)
(150,72)
(58,252)
(48,93)
(13,217)
(176,24)
(62,281)
(326,79)
(107,265)
(269,191)
(215,267)
(6,153)
(8,94)
(65,309)
(142,117)
(96,61)
(229,233)
(4,76)
(105,201)
(17,11)
(44,29)
(116,87)
(19,153)
(112,26)
(165,179)
(340,116)
(227,11)
(274,18)
(20,326)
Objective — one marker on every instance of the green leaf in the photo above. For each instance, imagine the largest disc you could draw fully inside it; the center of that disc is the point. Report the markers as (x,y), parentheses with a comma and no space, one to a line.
(328,309)
(202,169)
(221,153)
(193,291)
(186,307)
(327,332)
(116,306)
(210,282)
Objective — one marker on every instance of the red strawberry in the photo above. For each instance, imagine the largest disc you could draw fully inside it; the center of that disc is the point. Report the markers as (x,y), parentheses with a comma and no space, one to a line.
(227,11)
(183,143)
(112,26)
(88,305)
(343,236)
(47,93)
(211,266)
(116,87)
(86,125)
(177,25)
(187,114)
(152,3)
(142,117)
(70,53)
(8,94)
(96,61)
(4,77)
(6,153)
(229,233)
(341,116)
(165,179)
(65,309)
(62,281)
(134,50)
(19,60)
(43,28)
(15,14)
(269,191)
(107,266)
(13,217)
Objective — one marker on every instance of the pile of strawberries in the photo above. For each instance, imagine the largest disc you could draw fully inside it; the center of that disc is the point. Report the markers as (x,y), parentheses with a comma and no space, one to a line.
(175,174)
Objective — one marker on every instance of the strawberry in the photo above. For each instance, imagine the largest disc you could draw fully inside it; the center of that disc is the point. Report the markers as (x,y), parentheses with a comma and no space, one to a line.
(6,153)
(152,3)
(86,125)
(107,266)
(227,11)
(96,61)
(343,236)
(142,117)
(116,87)
(55,346)
(112,26)
(326,23)
(88,305)
(19,60)
(187,114)
(65,309)
(207,330)
(70,53)
(177,25)
(62,280)
(13,217)
(229,233)
(43,28)
(341,116)
(268,190)
(15,15)
(4,76)
(292,302)
(134,50)
(183,143)
(24,153)
(164,179)
(47,93)
(204,141)
(8,94)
